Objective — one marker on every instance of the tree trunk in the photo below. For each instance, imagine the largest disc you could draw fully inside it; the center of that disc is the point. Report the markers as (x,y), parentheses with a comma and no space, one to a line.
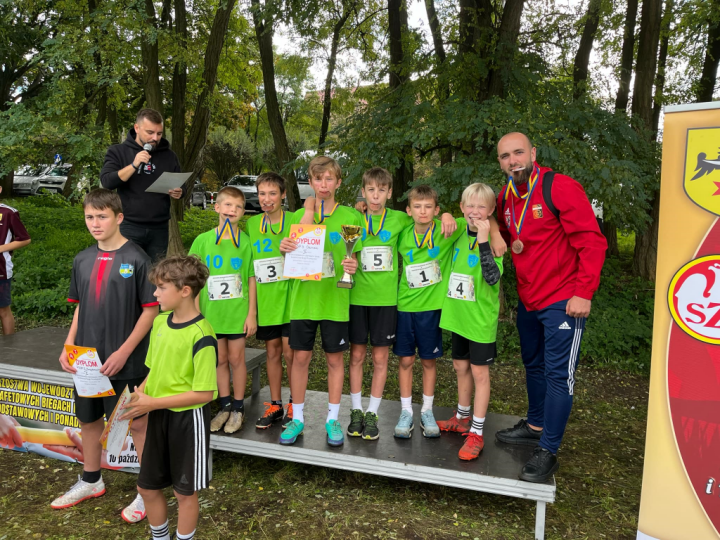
(507,44)
(264,30)
(327,97)
(708,78)
(443,83)
(149,47)
(662,62)
(466,29)
(613,249)
(645,256)
(582,57)
(201,119)
(113,124)
(627,56)
(6,183)
(179,85)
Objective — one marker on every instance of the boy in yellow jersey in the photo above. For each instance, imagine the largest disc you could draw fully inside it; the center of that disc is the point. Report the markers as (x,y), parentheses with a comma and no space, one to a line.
(373,300)
(228,301)
(266,231)
(470,311)
(322,303)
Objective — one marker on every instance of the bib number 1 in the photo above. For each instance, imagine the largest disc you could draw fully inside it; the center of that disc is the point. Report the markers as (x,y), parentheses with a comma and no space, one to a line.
(423,274)
(225,287)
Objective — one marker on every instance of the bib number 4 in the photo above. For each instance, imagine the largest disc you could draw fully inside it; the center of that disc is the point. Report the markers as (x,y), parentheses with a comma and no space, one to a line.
(461,287)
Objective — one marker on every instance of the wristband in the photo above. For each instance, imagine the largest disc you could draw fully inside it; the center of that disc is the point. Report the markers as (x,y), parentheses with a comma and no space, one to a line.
(132,164)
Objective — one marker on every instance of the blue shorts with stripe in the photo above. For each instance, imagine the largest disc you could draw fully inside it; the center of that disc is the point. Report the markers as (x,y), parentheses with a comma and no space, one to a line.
(419,330)
(550,347)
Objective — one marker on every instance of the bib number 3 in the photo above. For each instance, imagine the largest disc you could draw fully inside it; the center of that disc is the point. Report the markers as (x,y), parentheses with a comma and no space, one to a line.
(461,287)
(423,274)
(269,270)
(225,287)
(376,259)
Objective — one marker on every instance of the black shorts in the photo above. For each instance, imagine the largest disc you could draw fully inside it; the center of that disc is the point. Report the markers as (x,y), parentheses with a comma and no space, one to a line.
(176,450)
(268,333)
(334,335)
(479,354)
(5,285)
(88,410)
(378,321)
(230,337)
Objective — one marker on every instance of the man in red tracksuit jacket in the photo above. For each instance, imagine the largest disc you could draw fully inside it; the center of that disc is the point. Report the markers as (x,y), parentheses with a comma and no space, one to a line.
(558,252)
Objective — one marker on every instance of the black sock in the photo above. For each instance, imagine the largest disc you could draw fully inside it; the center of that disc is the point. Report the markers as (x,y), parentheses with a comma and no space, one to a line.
(238,404)
(91,477)
(290,400)
(225,402)
(277,402)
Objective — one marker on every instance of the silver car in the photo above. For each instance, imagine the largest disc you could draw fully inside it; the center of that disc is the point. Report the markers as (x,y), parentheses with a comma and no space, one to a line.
(55,178)
(26,180)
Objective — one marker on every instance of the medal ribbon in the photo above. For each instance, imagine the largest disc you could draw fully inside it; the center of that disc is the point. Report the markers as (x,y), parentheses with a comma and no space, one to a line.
(323,215)
(369,225)
(426,239)
(221,232)
(267,224)
(511,186)
(473,241)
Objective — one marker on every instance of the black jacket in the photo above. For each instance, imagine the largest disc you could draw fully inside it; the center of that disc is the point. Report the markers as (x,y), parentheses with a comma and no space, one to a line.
(150,210)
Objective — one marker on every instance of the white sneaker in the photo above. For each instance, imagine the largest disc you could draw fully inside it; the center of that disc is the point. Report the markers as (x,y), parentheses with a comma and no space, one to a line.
(79,492)
(135,511)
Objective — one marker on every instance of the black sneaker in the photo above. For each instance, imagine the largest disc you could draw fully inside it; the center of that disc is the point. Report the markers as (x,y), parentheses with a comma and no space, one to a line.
(370,427)
(540,467)
(521,433)
(355,428)
(272,413)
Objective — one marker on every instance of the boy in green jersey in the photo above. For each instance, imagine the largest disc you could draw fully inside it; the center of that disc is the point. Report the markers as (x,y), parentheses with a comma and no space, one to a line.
(470,312)
(176,396)
(321,303)
(427,255)
(228,302)
(266,231)
(373,300)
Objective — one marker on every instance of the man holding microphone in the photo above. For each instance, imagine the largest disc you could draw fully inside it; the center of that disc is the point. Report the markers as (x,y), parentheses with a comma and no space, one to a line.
(130,168)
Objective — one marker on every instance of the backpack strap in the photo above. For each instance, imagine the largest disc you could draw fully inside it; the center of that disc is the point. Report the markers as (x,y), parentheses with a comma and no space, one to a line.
(548,179)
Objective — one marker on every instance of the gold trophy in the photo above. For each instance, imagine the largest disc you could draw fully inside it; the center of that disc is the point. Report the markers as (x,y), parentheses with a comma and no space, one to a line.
(351,234)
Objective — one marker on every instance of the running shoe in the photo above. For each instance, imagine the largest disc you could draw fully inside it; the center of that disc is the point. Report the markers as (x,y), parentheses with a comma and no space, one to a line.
(221,417)
(370,426)
(135,511)
(288,415)
(78,493)
(335,435)
(292,431)
(429,426)
(404,427)
(521,433)
(237,417)
(453,424)
(272,413)
(472,447)
(355,428)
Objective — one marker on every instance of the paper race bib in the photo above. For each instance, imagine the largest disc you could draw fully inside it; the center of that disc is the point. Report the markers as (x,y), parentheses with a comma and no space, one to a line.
(376,259)
(328,265)
(269,270)
(461,287)
(224,287)
(423,274)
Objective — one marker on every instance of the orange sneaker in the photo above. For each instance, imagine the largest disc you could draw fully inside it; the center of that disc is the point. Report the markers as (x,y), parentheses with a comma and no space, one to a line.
(472,447)
(288,416)
(272,413)
(453,424)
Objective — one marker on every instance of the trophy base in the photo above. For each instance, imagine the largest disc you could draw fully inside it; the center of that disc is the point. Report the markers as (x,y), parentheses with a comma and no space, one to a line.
(345,284)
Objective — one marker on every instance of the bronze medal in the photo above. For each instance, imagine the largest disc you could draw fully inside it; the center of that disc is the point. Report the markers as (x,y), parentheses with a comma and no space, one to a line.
(517,247)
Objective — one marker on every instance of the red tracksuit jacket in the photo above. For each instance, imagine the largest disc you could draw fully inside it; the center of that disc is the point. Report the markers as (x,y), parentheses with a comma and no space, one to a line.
(561,258)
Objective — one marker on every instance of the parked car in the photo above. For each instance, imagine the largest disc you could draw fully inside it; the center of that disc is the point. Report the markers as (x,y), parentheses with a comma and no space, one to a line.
(198,196)
(246,183)
(303,184)
(55,178)
(27,179)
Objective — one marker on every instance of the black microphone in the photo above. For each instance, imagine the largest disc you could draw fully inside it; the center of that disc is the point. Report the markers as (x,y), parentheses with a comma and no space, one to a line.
(148,148)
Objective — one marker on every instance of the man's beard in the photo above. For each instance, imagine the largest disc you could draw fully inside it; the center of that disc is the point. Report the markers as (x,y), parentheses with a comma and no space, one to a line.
(522,176)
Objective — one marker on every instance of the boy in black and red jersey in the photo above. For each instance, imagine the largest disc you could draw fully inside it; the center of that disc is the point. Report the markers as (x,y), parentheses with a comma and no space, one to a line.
(12,236)
(115,311)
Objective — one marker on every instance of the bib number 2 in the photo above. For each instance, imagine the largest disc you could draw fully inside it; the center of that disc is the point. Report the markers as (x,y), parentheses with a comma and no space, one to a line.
(225,287)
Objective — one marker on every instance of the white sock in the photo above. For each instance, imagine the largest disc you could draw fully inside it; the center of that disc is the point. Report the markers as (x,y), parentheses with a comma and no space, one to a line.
(298,412)
(462,412)
(189,536)
(356,400)
(477,425)
(374,404)
(427,403)
(406,403)
(161,532)
(333,411)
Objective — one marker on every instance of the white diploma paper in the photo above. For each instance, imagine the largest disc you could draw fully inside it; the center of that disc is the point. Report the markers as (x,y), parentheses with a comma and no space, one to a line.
(168,181)
(306,262)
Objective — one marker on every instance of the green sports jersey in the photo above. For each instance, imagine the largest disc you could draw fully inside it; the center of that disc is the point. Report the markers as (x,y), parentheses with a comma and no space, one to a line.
(224,300)
(474,320)
(379,287)
(426,265)
(182,358)
(323,300)
(273,292)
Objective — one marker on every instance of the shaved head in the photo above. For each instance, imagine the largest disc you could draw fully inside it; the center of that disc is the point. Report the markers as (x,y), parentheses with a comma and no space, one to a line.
(516,156)
(515,137)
